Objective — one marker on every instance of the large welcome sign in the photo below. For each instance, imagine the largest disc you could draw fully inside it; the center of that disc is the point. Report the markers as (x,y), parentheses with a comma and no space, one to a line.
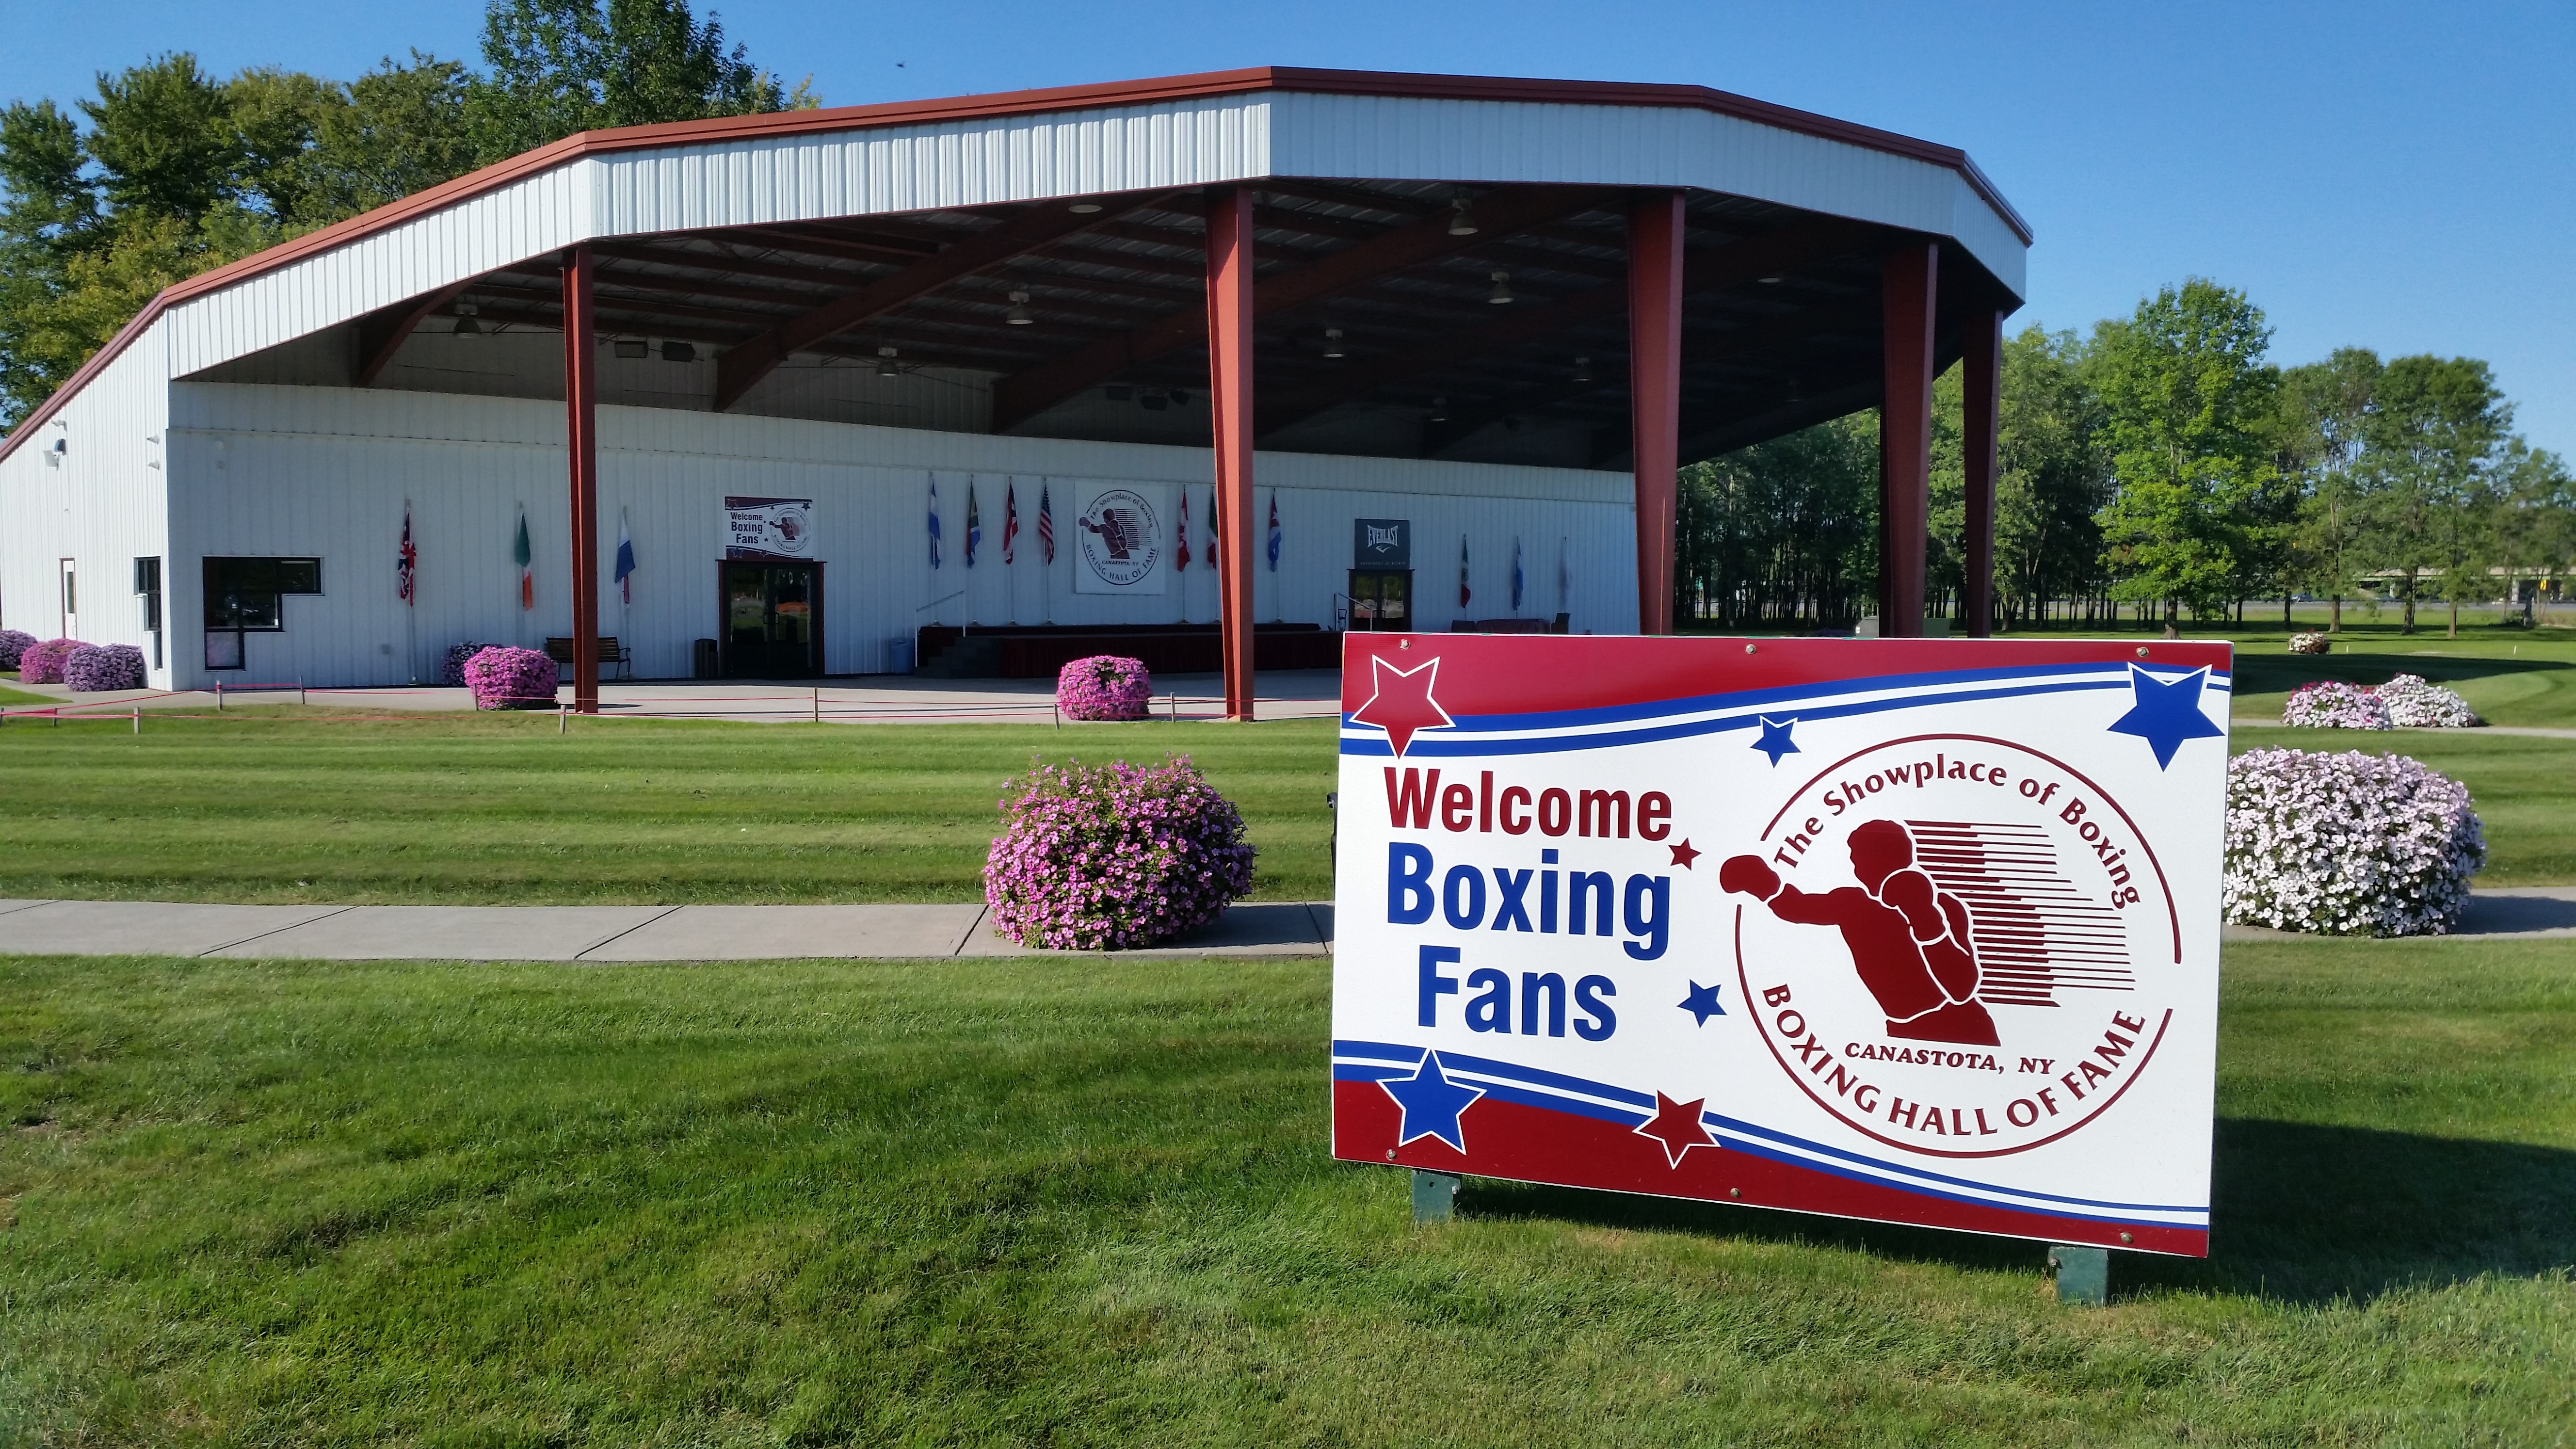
(1921,931)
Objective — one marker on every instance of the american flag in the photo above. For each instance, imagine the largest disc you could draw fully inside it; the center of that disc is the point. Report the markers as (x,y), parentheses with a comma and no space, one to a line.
(1046,524)
(1274,530)
(934,522)
(410,561)
(1216,537)
(1010,522)
(974,525)
(1181,555)
(1464,593)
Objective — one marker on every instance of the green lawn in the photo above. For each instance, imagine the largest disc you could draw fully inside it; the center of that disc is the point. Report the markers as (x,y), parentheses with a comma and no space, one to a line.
(1085,1203)
(315,806)
(2509,676)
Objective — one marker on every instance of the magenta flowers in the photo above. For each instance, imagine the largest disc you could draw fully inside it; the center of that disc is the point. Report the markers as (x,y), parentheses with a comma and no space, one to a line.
(14,642)
(1104,686)
(506,678)
(43,663)
(1094,859)
(93,668)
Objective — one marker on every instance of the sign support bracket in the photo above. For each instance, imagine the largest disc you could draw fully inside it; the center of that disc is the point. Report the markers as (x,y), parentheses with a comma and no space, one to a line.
(1435,1196)
(2083,1274)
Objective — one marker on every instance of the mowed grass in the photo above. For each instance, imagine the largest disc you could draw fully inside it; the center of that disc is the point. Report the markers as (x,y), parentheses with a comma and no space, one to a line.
(2509,676)
(2523,789)
(318,805)
(1087,1203)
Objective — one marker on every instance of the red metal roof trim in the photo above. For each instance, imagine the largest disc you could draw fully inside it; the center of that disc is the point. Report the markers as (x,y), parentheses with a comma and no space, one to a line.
(1016,103)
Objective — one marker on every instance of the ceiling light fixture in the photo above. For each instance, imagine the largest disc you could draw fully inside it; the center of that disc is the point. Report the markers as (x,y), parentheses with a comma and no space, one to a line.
(1772,280)
(631,347)
(678,351)
(1083,208)
(1502,293)
(1154,402)
(1440,410)
(1019,316)
(1332,342)
(1180,398)
(1583,369)
(885,362)
(1462,217)
(466,326)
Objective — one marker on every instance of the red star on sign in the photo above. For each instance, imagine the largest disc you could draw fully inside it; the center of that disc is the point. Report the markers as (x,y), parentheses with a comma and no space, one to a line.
(1401,702)
(1678,1127)
(1683,855)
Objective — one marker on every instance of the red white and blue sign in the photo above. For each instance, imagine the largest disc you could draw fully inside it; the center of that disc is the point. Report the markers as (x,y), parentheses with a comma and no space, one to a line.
(1920,931)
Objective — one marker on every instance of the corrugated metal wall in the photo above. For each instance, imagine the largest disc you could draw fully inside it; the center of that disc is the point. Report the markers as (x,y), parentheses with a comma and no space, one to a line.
(324,472)
(102,508)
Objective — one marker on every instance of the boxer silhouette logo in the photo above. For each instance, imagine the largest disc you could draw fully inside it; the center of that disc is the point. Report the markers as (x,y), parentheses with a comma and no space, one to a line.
(1957,945)
(1119,536)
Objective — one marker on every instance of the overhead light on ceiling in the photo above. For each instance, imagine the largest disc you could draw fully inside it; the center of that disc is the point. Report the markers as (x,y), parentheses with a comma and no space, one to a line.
(1502,293)
(1083,208)
(1462,217)
(1332,342)
(679,351)
(1180,398)
(631,347)
(1154,402)
(885,362)
(1019,316)
(1440,410)
(1583,369)
(1115,393)
(1772,280)
(466,326)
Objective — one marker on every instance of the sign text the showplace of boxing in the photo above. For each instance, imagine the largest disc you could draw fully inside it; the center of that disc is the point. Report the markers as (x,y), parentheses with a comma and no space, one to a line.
(1920,931)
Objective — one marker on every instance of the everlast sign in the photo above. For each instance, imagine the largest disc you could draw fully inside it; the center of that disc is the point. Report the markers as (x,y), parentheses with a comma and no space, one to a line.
(1381,543)
(1920,931)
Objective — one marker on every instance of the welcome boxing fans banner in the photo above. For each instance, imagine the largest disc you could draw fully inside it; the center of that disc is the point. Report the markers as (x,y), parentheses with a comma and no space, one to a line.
(1921,931)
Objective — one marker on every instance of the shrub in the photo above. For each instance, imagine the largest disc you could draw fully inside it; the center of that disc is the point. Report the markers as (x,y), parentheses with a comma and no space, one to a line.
(506,678)
(43,663)
(1104,686)
(2309,642)
(2347,844)
(2414,704)
(1105,859)
(94,668)
(2331,704)
(452,670)
(13,642)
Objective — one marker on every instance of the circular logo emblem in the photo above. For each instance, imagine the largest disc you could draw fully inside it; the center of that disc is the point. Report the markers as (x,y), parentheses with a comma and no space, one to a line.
(1958,946)
(1120,536)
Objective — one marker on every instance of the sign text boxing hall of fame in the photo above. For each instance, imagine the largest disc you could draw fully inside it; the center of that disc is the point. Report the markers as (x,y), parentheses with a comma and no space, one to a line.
(1911,930)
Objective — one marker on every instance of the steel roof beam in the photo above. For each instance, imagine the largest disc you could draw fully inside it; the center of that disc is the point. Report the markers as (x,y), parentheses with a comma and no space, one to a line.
(381,336)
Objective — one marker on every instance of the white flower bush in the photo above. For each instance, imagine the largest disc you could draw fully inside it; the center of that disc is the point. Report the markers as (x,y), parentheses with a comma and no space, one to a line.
(2347,844)
(2414,704)
(2331,704)
(2309,642)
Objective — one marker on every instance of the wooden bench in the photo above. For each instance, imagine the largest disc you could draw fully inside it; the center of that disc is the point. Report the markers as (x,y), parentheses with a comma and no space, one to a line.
(610,652)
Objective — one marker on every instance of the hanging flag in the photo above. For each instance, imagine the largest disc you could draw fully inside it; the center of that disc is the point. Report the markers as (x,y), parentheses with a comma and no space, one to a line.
(1516,576)
(1216,537)
(1464,593)
(1181,555)
(527,558)
(410,560)
(1010,522)
(1274,530)
(974,525)
(1046,524)
(934,522)
(1564,579)
(625,560)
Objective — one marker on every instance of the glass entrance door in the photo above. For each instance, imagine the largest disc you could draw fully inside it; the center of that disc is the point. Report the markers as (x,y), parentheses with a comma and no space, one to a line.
(773,620)
(1381,599)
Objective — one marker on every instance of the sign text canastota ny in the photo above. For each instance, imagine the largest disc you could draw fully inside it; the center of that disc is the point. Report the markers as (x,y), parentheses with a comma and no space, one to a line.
(1922,931)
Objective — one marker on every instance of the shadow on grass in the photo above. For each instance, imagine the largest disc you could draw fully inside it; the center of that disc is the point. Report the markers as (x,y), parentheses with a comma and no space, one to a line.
(2373,663)
(2303,1214)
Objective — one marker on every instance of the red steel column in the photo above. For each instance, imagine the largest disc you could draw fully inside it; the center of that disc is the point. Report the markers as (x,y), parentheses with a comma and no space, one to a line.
(1229,283)
(581,436)
(1654,392)
(1907,291)
(1981,391)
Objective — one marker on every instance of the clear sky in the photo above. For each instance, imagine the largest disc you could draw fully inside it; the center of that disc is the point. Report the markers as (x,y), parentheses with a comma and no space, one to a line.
(2395,177)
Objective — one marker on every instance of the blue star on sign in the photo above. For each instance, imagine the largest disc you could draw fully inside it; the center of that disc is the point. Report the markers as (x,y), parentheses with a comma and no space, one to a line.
(1702,1002)
(1431,1103)
(2165,715)
(1775,740)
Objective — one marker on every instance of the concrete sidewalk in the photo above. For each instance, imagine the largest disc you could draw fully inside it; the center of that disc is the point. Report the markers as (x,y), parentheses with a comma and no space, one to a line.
(591,933)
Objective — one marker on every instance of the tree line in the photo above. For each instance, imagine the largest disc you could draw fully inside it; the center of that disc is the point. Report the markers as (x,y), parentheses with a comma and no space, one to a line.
(168,171)
(2162,463)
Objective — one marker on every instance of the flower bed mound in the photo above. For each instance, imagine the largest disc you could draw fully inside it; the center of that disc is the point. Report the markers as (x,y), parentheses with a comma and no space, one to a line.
(2347,844)
(96,668)
(1094,859)
(2415,704)
(13,643)
(2310,642)
(1104,686)
(451,670)
(2331,704)
(43,663)
(506,678)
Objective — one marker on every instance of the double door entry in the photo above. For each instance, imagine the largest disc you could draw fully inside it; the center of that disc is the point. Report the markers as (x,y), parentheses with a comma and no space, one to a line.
(773,619)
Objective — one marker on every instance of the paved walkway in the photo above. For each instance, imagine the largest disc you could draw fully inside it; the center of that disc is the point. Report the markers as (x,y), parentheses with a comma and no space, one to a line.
(590,933)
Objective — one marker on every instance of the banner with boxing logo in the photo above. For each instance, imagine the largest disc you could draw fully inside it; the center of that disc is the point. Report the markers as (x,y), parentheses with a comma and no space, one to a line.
(1921,931)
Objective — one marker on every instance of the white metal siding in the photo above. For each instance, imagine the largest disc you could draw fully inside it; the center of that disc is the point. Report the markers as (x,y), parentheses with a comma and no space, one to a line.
(324,472)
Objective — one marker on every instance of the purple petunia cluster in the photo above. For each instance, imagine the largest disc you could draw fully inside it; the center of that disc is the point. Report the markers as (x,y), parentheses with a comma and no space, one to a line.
(2331,704)
(14,642)
(506,678)
(2347,844)
(1104,686)
(452,669)
(2416,704)
(96,668)
(43,663)
(1094,859)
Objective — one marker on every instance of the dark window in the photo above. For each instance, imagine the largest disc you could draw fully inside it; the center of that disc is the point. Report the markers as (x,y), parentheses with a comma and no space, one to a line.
(147,582)
(243,593)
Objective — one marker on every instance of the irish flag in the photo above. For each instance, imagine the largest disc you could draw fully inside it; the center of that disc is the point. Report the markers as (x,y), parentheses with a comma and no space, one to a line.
(527,563)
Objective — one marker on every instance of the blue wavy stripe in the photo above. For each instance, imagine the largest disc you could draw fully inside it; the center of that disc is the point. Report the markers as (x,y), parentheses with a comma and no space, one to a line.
(1392,1060)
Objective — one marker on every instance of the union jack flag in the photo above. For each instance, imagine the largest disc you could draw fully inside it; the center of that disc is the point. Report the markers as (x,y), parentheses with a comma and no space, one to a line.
(1010,522)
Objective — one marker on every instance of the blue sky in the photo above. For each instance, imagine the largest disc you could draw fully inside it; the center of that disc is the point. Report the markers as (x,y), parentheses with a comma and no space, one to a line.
(2402,178)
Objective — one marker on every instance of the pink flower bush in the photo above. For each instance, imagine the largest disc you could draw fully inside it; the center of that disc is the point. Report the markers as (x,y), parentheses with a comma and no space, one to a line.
(2347,844)
(2310,642)
(13,642)
(2414,704)
(43,663)
(94,668)
(1106,859)
(506,678)
(2331,704)
(452,669)
(1104,686)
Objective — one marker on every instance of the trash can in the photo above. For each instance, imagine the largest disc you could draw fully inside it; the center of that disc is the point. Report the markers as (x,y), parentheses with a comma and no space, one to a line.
(702,660)
(898,656)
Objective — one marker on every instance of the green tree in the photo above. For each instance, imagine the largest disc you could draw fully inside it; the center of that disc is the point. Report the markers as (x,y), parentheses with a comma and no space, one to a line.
(2535,526)
(2323,408)
(2431,438)
(2187,401)
(2052,475)
(401,129)
(557,67)
(1783,531)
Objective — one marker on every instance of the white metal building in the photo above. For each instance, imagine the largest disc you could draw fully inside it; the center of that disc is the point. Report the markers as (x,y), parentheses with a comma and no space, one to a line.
(1501,311)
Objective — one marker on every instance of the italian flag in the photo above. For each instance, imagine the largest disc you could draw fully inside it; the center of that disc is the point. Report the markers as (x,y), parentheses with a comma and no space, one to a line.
(527,564)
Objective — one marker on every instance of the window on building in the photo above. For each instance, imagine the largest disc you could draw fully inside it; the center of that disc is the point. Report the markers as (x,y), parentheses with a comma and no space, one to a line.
(147,586)
(245,593)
